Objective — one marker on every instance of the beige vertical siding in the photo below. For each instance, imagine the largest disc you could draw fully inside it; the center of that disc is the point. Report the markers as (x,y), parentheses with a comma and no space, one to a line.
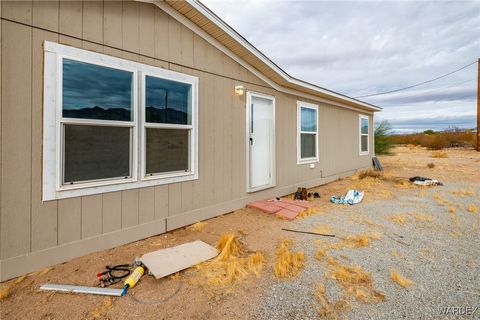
(1,134)
(35,233)
(16,137)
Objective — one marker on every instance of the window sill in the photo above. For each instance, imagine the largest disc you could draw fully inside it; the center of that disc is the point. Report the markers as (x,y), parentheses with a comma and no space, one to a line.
(307,161)
(112,186)
(364,153)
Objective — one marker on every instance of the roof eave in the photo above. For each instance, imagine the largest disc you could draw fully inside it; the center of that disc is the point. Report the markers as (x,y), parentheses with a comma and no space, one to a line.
(290,80)
(270,72)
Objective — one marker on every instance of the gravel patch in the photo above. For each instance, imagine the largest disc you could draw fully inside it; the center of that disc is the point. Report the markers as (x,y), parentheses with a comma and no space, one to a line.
(441,257)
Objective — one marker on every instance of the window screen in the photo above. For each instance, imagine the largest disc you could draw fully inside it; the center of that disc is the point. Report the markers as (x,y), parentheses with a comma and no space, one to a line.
(308,145)
(364,143)
(167,150)
(96,152)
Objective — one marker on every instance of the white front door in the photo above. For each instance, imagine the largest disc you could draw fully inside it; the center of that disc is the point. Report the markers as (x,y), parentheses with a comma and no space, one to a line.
(260,141)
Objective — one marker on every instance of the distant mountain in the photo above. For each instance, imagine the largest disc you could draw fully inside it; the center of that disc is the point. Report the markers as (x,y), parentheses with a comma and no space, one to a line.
(155,115)
(119,114)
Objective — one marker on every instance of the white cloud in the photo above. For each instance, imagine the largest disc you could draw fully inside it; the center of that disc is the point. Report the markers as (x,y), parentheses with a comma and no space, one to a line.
(363,47)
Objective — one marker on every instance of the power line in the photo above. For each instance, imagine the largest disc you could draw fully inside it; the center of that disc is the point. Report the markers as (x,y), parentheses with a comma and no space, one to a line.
(450,86)
(418,84)
(438,89)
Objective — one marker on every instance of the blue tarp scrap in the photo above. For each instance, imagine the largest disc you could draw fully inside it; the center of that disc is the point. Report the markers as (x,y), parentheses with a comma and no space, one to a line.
(352,197)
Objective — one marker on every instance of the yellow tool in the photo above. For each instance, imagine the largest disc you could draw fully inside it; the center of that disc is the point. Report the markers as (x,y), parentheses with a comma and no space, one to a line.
(132,280)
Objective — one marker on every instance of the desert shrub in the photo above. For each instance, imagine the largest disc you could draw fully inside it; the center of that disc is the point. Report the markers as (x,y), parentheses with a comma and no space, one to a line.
(431,165)
(383,140)
(369,173)
(438,140)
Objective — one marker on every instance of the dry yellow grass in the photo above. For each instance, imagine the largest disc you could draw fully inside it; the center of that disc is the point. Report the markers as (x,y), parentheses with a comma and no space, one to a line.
(472,208)
(452,209)
(197,226)
(399,218)
(232,265)
(422,217)
(100,311)
(288,264)
(402,281)
(324,228)
(255,263)
(371,182)
(328,310)
(374,235)
(439,154)
(356,241)
(308,212)
(405,184)
(350,241)
(321,252)
(395,254)
(7,288)
(464,193)
(438,198)
(175,276)
(456,233)
(356,283)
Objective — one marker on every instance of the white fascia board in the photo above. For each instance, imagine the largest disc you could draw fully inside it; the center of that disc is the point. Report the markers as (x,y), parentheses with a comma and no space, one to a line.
(192,26)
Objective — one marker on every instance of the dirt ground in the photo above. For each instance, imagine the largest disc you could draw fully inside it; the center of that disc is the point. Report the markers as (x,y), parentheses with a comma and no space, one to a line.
(266,297)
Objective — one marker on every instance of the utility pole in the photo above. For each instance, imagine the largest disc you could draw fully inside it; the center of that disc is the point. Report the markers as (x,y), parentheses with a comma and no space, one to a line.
(478,107)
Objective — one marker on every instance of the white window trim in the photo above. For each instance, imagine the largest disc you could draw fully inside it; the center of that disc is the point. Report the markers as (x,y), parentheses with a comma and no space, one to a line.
(53,187)
(300,160)
(360,134)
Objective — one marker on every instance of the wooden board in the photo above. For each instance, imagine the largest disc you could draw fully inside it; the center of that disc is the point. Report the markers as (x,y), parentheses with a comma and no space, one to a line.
(168,261)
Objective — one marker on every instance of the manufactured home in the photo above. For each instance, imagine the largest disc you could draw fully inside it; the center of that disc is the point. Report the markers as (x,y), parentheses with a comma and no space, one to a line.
(122,120)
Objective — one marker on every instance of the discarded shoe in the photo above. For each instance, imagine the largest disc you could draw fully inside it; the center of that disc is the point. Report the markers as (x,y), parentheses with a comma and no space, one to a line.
(298,194)
(304,194)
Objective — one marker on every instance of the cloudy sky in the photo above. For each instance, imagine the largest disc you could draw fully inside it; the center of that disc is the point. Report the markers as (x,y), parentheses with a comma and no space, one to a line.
(363,47)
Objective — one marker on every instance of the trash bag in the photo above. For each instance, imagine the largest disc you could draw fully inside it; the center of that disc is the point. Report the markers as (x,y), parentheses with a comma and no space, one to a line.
(422,181)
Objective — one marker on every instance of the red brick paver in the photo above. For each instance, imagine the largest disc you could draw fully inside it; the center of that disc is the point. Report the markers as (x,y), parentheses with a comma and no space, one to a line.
(284,208)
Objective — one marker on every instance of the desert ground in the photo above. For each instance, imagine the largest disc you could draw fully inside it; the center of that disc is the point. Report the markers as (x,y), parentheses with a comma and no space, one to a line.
(405,251)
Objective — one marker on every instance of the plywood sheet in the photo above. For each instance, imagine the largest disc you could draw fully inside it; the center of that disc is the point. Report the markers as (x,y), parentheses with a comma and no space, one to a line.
(168,261)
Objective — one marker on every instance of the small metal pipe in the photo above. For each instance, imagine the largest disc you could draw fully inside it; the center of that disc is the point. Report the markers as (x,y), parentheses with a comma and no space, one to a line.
(81,289)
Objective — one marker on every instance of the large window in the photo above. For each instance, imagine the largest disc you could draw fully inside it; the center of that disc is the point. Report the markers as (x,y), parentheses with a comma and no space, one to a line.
(364,136)
(112,124)
(97,122)
(307,133)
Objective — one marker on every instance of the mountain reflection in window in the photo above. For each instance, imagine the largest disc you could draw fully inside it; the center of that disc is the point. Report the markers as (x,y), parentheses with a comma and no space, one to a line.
(91,91)
(167,101)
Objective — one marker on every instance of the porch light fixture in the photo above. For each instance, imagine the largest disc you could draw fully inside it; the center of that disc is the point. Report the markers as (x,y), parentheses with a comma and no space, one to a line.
(239,90)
